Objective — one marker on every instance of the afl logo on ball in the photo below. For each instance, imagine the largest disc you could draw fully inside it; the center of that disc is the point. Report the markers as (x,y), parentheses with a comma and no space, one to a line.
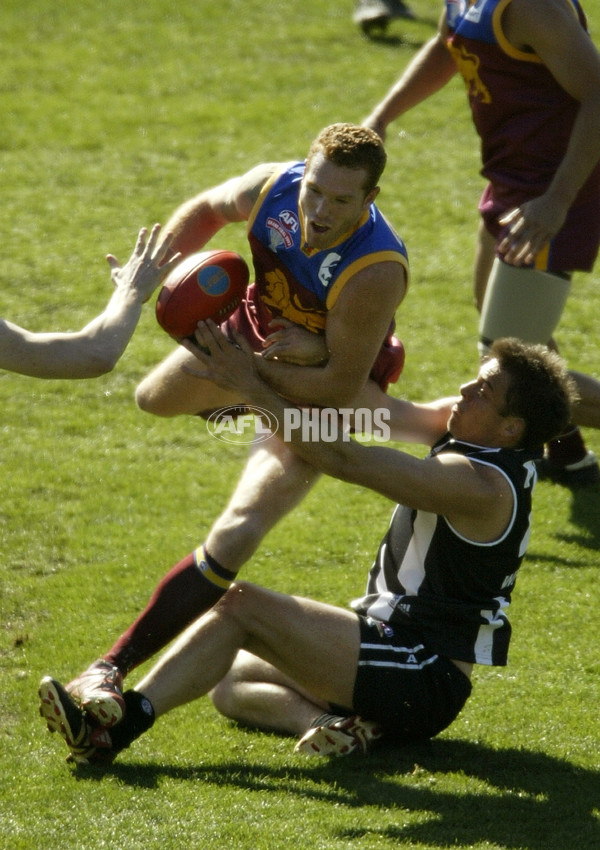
(213,280)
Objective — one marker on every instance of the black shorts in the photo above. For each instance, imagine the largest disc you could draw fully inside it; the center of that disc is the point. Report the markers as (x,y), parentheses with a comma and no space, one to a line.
(410,690)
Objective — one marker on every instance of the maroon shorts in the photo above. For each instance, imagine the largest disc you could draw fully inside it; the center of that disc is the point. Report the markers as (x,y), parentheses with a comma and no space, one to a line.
(574,248)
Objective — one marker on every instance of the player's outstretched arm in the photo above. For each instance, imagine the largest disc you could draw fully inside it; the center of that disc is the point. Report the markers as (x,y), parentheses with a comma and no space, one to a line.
(96,348)
(429,71)
(199,218)
(452,486)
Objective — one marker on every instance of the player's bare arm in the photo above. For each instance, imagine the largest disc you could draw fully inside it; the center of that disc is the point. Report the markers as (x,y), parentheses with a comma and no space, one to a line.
(409,421)
(356,326)
(476,499)
(196,221)
(426,73)
(552,31)
(96,348)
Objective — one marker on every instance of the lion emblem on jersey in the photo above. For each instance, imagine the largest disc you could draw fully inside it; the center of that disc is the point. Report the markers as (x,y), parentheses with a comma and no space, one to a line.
(277,296)
(468,66)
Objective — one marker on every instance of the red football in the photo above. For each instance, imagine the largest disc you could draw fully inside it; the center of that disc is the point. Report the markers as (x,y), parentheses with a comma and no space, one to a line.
(208,285)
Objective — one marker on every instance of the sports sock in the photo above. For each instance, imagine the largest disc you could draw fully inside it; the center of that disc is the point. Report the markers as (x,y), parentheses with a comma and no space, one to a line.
(139,717)
(191,587)
(567,448)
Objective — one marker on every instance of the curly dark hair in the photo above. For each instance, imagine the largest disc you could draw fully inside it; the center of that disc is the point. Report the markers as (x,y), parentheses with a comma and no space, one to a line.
(541,392)
(352,146)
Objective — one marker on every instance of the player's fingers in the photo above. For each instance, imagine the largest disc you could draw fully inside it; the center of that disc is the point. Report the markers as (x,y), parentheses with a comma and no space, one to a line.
(163,246)
(241,342)
(215,332)
(115,268)
(203,355)
(194,347)
(207,336)
(280,322)
(269,354)
(509,216)
(202,334)
(196,373)
(150,240)
(272,339)
(167,265)
(141,241)
(157,249)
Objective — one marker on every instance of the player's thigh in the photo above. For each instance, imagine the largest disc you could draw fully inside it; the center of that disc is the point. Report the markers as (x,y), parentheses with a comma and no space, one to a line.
(169,390)
(313,644)
(249,668)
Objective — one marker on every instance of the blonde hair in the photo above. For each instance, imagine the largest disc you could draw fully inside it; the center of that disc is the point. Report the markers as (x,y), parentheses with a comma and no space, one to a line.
(352,146)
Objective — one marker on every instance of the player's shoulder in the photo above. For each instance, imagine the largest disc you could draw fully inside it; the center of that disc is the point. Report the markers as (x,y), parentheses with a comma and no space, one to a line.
(259,179)
(267,170)
(540,13)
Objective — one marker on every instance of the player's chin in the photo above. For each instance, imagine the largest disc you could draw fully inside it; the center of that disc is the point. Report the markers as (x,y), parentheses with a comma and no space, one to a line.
(318,234)
(453,418)
(457,427)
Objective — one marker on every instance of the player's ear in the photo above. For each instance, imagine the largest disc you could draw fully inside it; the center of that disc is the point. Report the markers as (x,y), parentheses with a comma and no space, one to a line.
(513,427)
(370,197)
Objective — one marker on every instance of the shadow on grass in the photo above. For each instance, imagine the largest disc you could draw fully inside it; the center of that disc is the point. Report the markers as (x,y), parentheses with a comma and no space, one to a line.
(529,800)
(585,514)
(386,38)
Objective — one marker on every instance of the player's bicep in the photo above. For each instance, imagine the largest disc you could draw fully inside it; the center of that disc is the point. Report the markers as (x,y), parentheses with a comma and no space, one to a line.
(552,30)
(358,323)
(238,195)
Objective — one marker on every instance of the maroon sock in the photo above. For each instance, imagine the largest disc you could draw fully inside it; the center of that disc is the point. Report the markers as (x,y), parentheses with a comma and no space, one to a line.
(191,587)
(568,448)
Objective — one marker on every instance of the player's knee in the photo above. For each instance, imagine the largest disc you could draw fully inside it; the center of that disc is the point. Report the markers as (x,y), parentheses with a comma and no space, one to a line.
(240,601)
(150,401)
(223,697)
(143,398)
(238,592)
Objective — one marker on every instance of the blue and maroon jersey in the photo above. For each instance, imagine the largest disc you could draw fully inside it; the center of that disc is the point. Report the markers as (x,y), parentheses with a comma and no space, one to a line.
(523,116)
(301,284)
(292,280)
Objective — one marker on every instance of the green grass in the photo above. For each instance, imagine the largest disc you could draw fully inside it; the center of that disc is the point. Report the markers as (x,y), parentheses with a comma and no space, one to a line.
(112,114)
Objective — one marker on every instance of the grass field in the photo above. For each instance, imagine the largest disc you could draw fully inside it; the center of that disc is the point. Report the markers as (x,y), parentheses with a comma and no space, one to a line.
(112,114)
